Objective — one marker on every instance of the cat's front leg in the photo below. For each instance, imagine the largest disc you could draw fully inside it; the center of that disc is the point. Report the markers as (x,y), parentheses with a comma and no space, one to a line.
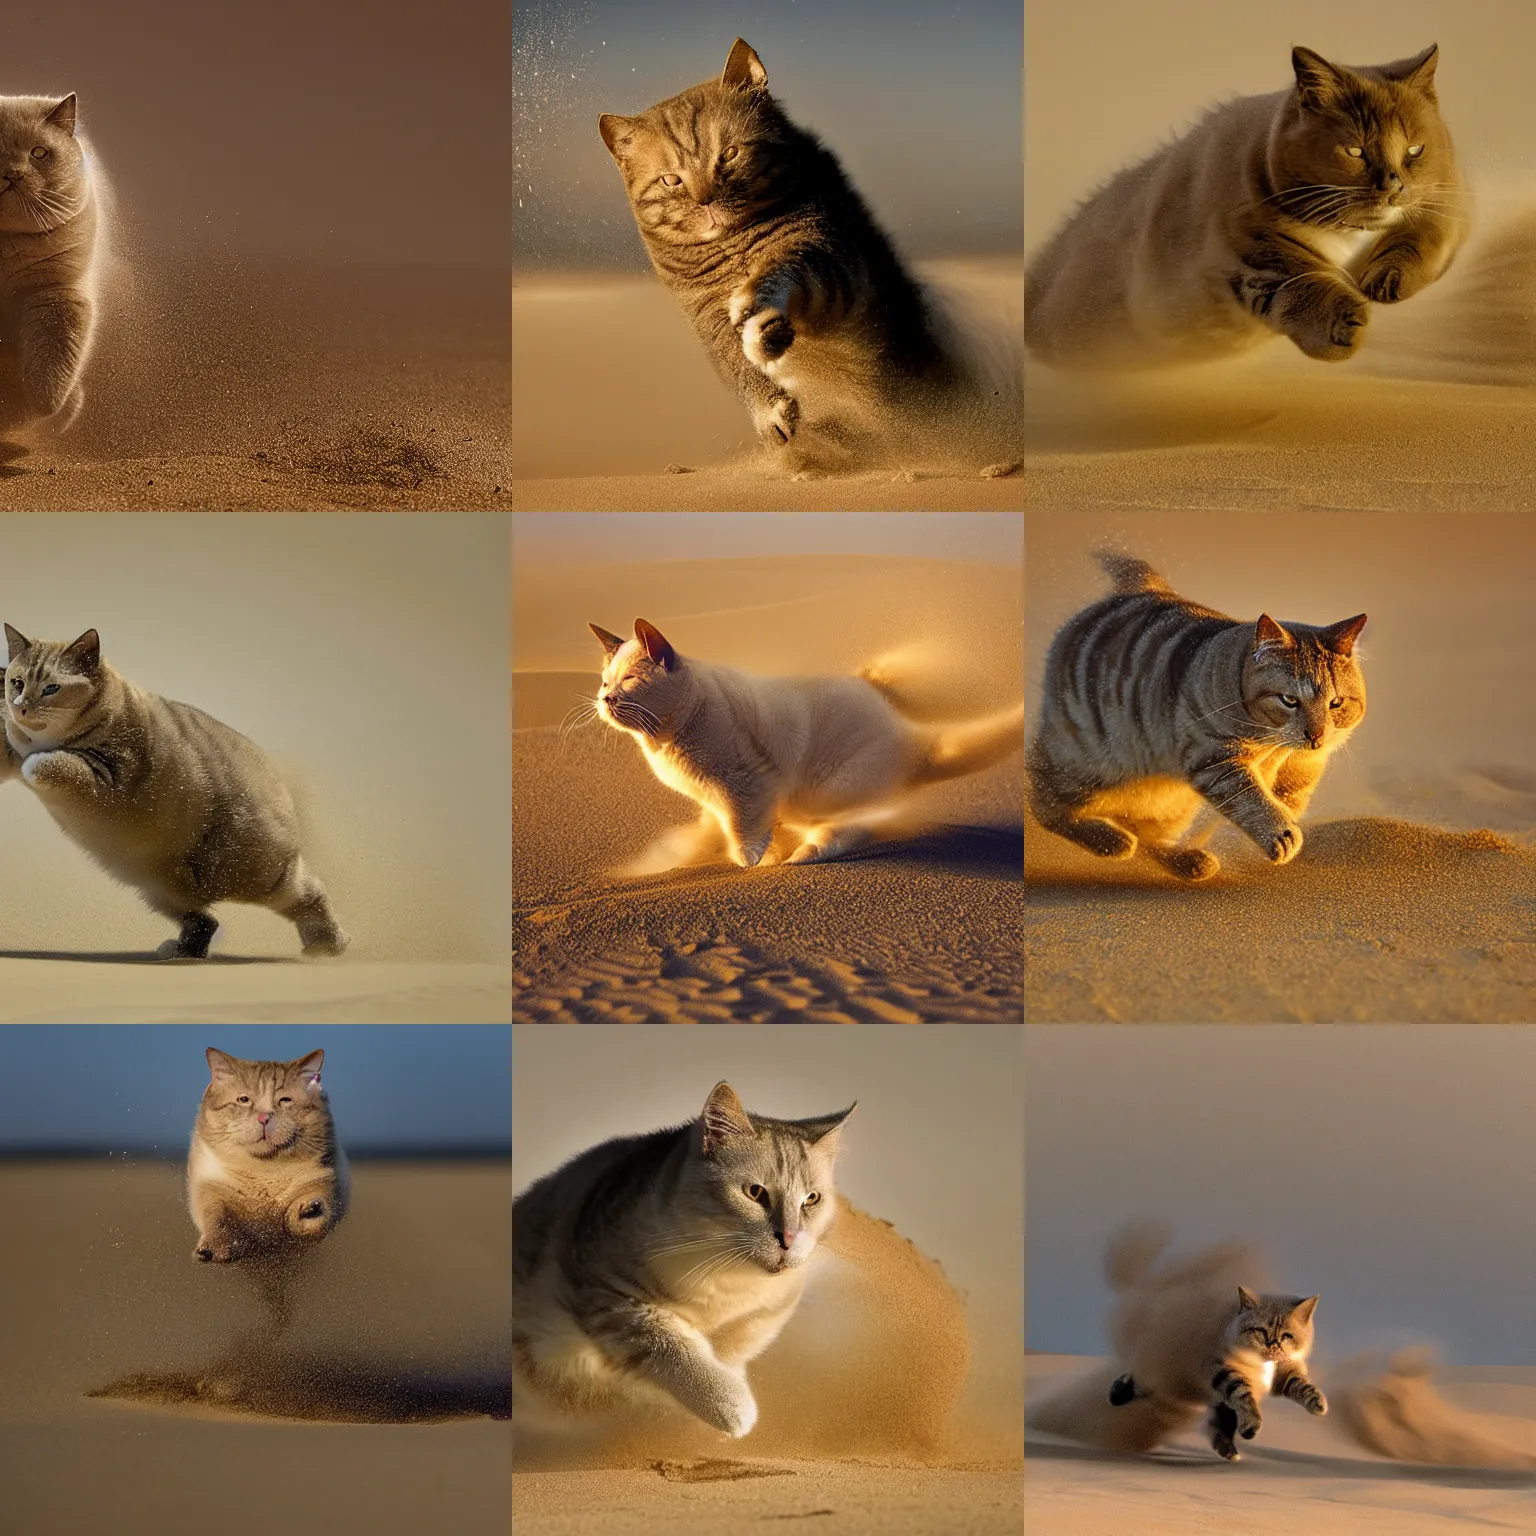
(60,773)
(1233,789)
(220,1238)
(760,311)
(1297,778)
(1293,291)
(311,1215)
(55,326)
(1409,259)
(749,820)
(1232,1391)
(1293,1383)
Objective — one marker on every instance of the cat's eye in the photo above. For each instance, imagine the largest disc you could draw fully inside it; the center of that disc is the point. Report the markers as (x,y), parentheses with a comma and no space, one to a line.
(40,153)
(1335,703)
(671,181)
(1355,152)
(753,1191)
(1286,1338)
(1289,701)
(51,688)
(729,152)
(813,1198)
(1415,150)
(244,1098)
(285,1100)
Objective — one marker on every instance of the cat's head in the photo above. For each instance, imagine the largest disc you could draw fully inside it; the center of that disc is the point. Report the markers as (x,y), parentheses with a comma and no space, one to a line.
(1274,1327)
(265,1108)
(49,683)
(42,164)
(644,683)
(762,1188)
(707,161)
(1303,685)
(1362,148)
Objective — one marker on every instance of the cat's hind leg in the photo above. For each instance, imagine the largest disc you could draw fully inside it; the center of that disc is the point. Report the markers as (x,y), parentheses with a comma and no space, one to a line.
(1223,1425)
(1162,815)
(302,899)
(1064,805)
(197,931)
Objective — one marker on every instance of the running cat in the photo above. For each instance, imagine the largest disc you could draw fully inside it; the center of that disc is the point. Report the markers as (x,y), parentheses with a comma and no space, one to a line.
(791,769)
(1287,213)
(1154,707)
(266,1172)
(163,797)
(657,1266)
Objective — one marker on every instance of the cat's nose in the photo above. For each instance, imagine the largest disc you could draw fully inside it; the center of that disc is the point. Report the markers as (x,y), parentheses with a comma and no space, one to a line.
(264,1117)
(785,1239)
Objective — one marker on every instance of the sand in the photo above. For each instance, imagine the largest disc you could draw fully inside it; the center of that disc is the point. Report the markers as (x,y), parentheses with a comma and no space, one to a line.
(1412,897)
(1303,1475)
(923,930)
(610,387)
(251,384)
(404,1321)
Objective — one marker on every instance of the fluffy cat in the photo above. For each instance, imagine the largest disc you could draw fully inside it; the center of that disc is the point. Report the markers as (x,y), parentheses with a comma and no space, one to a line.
(656,1267)
(1154,707)
(797,769)
(1286,213)
(48,228)
(165,798)
(266,1173)
(797,294)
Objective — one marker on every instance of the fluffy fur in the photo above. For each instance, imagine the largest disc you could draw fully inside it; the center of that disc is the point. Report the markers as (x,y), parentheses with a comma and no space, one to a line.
(798,295)
(266,1173)
(165,798)
(1289,213)
(654,1268)
(790,769)
(1155,707)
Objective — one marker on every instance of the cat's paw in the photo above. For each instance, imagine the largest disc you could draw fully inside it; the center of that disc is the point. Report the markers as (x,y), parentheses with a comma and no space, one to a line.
(309,1217)
(1313,1400)
(1122,1390)
(1190,863)
(1391,279)
(1249,1420)
(776,421)
(221,1250)
(761,319)
(1283,844)
(1104,838)
(731,1406)
(1334,330)
(1226,1450)
(750,854)
(326,944)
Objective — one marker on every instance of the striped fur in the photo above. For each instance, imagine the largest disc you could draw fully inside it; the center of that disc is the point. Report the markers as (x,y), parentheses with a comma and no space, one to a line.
(1259,221)
(655,1267)
(1155,707)
(165,798)
(266,1173)
(799,297)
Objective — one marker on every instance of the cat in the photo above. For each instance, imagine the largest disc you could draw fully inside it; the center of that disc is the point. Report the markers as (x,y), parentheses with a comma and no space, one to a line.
(657,1266)
(49,210)
(266,1174)
(1196,1340)
(1286,213)
(789,769)
(165,798)
(1154,707)
(798,295)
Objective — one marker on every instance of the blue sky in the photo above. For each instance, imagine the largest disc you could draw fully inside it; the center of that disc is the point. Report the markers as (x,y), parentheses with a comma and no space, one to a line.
(118,1087)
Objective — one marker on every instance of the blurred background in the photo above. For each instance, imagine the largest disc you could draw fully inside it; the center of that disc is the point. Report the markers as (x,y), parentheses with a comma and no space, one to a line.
(1389,1168)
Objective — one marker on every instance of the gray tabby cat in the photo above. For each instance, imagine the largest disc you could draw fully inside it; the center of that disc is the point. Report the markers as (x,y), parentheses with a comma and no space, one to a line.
(797,294)
(655,1267)
(165,798)
(266,1172)
(1154,707)
(48,227)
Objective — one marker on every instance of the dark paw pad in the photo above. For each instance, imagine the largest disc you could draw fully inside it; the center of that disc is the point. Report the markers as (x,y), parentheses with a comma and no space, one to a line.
(1122,1391)
(312,1209)
(776,337)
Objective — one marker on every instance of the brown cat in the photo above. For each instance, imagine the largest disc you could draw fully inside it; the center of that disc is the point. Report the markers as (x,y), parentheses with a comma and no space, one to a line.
(1287,213)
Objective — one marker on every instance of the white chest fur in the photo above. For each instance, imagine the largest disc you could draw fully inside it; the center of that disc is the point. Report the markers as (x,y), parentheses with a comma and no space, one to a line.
(1267,1375)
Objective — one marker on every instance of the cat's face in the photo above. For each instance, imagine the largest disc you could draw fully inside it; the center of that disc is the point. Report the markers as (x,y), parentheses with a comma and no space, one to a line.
(644,682)
(1362,149)
(48,684)
(707,161)
(42,163)
(1274,1327)
(1303,686)
(764,1187)
(264,1108)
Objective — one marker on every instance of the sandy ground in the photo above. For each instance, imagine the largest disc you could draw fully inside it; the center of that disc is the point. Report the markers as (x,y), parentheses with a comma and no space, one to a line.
(399,1341)
(1302,1475)
(611,387)
(925,930)
(1413,894)
(280,385)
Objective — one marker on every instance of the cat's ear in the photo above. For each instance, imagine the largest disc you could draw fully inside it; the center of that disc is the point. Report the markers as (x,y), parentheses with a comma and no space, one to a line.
(221,1068)
(1340,638)
(743,67)
(1303,1310)
(818,1130)
(84,653)
(1419,71)
(656,644)
(1320,83)
(723,1119)
(63,115)
(308,1068)
(1246,1299)
(611,643)
(617,133)
(17,642)
(1268,636)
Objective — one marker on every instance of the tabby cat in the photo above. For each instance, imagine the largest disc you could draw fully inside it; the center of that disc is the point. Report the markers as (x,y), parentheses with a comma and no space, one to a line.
(791,769)
(1154,707)
(797,294)
(266,1173)
(1286,213)
(654,1267)
(163,797)
(48,226)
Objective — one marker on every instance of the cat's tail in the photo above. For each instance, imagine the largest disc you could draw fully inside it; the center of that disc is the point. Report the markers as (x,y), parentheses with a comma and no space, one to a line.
(951,751)
(1132,1251)
(1130,574)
